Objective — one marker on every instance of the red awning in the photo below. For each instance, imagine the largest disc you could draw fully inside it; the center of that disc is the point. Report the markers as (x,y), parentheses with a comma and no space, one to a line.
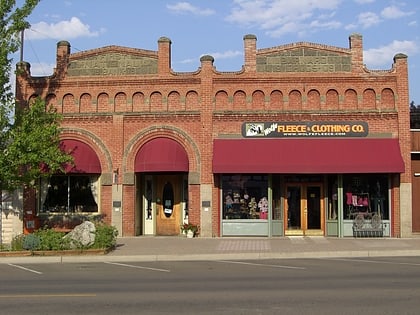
(85,159)
(161,155)
(307,156)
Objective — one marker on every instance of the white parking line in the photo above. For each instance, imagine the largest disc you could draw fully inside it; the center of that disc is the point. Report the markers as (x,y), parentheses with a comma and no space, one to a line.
(26,269)
(372,261)
(137,267)
(260,265)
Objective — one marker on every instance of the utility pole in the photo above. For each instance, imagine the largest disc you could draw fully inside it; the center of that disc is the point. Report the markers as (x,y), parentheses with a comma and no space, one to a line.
(22,35)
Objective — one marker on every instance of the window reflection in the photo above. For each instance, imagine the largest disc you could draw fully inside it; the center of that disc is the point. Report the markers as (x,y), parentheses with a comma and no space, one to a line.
(245,197)
(76,193)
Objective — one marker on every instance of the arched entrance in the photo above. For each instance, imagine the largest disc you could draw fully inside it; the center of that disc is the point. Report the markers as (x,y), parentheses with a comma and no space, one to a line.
(161,167)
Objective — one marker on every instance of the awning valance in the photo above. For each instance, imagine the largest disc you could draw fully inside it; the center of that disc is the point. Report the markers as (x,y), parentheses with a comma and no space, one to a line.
(161,155)
(85,158)
(307,156)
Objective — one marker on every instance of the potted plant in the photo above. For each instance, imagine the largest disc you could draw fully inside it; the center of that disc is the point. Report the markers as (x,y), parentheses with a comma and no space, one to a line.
(190,229)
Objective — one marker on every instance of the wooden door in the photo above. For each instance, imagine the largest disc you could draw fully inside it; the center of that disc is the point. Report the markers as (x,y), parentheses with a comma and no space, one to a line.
(168,204)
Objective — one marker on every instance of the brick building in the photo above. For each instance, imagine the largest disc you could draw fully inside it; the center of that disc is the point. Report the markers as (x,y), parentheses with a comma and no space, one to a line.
(303,140)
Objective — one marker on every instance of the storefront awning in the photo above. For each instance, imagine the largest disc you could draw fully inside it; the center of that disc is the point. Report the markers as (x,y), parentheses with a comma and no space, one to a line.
(85,159)
(161,155)
(307,156)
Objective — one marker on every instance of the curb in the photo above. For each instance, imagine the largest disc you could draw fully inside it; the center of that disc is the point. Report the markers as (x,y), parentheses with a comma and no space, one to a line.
(208,257)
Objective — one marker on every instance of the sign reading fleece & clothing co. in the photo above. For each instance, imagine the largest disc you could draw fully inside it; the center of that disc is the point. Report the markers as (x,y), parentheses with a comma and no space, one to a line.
(305,129)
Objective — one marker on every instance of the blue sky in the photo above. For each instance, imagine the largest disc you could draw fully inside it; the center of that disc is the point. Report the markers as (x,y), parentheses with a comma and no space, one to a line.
(217,27)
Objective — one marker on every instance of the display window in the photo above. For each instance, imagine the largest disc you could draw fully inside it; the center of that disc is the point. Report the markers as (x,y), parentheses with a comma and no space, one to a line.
(277,213)
(69,194)
(367,194)
(332,198)
(245,197)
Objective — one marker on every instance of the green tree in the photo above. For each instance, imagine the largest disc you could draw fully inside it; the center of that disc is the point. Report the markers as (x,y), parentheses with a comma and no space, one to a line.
(34,148)
(12,23)
(29,137)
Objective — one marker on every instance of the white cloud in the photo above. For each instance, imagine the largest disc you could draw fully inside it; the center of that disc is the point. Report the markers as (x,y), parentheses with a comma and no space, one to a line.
(364,1)
(381,56)
(393,12)
(325,25)
(368,19)
(280,17)
(216,55)
(42,69)
(226,55)
(62,30)
(186,7)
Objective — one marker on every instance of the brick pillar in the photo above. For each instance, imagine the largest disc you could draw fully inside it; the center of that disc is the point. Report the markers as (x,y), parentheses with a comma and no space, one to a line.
(250,52)
(164,56)
(206,181)
(402,101)
(23,72)
(62,58)
(356,47)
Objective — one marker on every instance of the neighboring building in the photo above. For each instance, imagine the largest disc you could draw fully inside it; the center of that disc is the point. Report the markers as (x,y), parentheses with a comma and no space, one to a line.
(303,140)
(415,164)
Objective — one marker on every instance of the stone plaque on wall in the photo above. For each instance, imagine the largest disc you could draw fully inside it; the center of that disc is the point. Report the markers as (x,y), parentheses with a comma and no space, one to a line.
(304,60)
(113,64)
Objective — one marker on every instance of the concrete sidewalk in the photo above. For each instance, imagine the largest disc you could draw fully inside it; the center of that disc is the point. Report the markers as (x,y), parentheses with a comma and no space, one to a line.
(239,248)
(181,248)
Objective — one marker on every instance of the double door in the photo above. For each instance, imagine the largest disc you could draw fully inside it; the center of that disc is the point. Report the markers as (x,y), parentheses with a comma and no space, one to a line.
(304,209)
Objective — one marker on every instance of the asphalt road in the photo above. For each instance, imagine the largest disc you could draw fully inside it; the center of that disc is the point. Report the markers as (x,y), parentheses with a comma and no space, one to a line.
(387,285)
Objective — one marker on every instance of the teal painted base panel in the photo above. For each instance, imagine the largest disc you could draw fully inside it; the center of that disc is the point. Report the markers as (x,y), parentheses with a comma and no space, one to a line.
(245,228)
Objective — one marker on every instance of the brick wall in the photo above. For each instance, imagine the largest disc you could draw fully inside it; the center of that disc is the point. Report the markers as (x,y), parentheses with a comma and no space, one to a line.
(116,98)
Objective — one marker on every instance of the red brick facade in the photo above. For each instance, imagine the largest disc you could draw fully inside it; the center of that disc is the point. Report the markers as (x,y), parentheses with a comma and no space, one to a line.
(116,99)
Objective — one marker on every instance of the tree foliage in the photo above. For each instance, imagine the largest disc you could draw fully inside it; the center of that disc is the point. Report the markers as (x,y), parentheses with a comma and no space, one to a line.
(34,149)
(29,137)
(12,22)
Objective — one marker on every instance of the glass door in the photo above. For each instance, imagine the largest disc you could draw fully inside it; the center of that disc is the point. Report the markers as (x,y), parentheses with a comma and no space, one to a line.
(304,209)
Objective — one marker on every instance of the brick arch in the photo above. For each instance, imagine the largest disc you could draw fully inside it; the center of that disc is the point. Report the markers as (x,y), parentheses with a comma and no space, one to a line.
(222,100)
(69,103)
(86,103)
(32,98)
(369,99)
(174,101)
(139,104)
(313,99)
(258,100)
(156,102)
(332,99)
(121,104)
(51,100)
(350,99)
(239,100)
(170,132)
(276,100)
(94,142)
(295,100)
(191,100)
(387,99)
(103,103)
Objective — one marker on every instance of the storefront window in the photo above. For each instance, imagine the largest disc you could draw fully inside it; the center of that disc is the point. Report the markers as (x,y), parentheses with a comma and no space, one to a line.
(277,200)
(245,197)
(332,197)
(365,194)
(75,193)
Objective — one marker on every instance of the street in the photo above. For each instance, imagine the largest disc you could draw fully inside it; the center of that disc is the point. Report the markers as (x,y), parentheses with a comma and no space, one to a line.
(387,285)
